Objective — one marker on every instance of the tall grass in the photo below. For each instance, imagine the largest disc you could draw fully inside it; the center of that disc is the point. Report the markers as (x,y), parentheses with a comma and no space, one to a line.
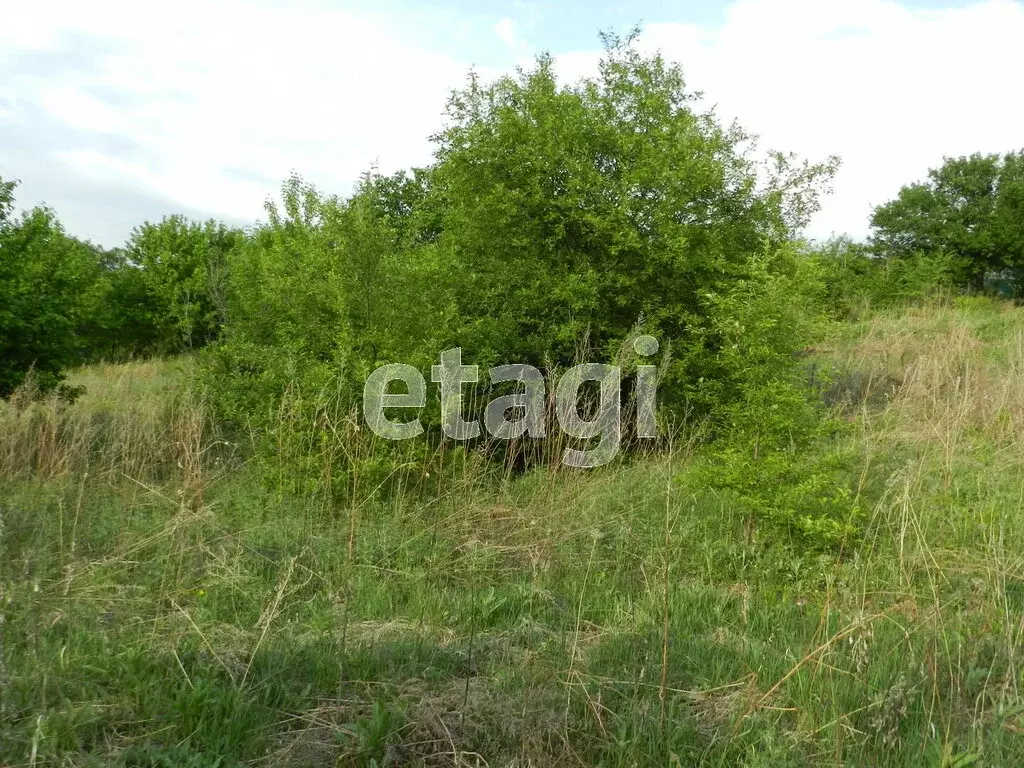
(168,601)
(136,420)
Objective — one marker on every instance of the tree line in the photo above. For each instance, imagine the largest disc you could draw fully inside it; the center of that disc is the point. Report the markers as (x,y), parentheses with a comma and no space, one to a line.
(555,221)
(65,301)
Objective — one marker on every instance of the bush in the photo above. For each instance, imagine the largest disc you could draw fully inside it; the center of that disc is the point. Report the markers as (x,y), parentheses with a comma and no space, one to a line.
(853,279)
(317,297)
(556,221)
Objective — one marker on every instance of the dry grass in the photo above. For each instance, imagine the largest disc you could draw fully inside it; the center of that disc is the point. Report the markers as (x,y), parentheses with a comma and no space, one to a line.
(135,420)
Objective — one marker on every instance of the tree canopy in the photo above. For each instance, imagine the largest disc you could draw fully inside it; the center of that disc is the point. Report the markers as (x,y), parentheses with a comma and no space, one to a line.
(970,208)
(572,211)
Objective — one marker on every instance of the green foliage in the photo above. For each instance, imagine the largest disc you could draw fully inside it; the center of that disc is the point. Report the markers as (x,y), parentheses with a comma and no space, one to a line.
(184,271)
(853,279)
(970,208)
(568,213)
(63,301)
(775,456)
(555,222)
(6,200)
(805,491)
(317,297)
(325,281)
(45,276)
(124,320)
(759,327)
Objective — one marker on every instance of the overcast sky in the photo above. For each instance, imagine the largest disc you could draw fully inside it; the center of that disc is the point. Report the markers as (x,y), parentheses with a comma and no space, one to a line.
(116,112)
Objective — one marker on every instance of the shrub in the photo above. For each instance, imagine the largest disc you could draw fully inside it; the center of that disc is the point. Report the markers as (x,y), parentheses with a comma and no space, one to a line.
(556,221)
(854,279)
(317,297)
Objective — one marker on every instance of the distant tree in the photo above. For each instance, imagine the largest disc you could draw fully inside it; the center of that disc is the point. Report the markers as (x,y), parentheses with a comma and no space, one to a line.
(1009,211)
(123,317)
(44,279)
(184,269)
(970,208)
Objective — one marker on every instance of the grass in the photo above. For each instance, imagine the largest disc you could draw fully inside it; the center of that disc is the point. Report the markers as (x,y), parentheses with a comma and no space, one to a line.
(163,606)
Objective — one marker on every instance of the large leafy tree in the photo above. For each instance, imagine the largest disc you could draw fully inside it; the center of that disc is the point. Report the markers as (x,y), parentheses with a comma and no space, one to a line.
(554,217)
(45,277)
(571,211)
(969,208)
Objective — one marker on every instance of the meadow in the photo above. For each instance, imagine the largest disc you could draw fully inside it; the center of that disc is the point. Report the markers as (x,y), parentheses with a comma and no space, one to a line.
(806,551)
(164,605)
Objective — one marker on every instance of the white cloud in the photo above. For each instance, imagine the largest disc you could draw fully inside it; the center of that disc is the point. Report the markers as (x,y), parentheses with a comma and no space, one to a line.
(211,88)
(505,29)
(215,100)
(103,167)
(889,89)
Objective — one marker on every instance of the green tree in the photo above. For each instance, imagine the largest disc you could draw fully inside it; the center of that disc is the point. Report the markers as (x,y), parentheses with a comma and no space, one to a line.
(1008,217)
(969,208)
(184,266)
(6,200)
(123,318)
(44,278)
(568,212)
(325,291)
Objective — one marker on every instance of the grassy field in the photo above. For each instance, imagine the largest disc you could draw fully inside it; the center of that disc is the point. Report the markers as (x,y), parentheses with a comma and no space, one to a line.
(163,606)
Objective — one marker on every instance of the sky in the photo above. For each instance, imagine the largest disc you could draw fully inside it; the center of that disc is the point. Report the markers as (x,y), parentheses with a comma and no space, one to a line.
(114,113)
